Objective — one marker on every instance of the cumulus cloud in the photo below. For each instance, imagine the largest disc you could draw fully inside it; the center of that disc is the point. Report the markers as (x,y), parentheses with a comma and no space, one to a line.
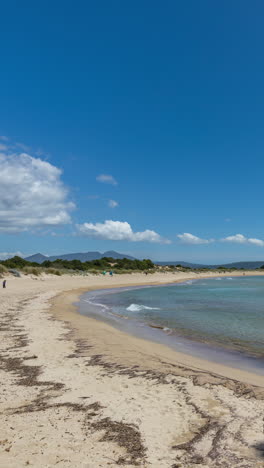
(188,238)
(241,239)
(258,242)
(6,255)
(113,203)
(119,230)
(106,179)
(32,194)
(237,238)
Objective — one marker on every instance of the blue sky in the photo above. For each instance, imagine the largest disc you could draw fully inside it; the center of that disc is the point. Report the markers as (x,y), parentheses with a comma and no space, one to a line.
(164,97)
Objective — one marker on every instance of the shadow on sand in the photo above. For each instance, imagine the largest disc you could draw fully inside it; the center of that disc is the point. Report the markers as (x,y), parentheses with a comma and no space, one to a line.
(260,449)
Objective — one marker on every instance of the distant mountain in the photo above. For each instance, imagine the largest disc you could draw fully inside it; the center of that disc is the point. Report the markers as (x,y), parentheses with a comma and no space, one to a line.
(88,256)
(246,265)
(38,258)
(82,256)
(184,264)
(113,254)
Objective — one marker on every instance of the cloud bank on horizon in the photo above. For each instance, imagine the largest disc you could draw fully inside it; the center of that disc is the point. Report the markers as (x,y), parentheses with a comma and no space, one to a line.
(6,255)
(188,238)
(240,239)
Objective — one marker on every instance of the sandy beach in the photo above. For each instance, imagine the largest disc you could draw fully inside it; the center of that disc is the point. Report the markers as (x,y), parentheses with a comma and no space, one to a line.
(75,392)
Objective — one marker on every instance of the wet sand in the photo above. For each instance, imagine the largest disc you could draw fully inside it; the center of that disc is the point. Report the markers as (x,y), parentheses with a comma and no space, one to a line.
(75,392)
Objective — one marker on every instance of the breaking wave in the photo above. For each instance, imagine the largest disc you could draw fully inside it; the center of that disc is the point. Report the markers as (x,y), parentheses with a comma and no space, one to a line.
(138,307)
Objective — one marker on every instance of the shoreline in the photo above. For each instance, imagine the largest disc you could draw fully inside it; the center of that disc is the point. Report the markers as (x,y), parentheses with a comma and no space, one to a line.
(91,396)
(155,333)
(131,343)
(119,320)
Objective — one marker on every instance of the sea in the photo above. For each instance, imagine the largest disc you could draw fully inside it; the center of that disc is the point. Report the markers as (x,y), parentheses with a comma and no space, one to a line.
(218,319)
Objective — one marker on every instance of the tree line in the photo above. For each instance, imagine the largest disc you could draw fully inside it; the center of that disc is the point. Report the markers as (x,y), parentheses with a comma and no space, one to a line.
(104,263)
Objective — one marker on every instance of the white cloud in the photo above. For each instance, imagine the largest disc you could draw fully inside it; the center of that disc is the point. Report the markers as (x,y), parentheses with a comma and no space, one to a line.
(188,238)
(258,242)
(113,203)
(4,138)
(32,194)
(241,239)
(106,179)
(237,238)
(6,255)
(23,147)
(42,154)
(119,230)
(2,147)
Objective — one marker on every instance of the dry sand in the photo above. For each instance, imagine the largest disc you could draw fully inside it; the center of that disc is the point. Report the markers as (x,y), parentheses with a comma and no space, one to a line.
(77,393)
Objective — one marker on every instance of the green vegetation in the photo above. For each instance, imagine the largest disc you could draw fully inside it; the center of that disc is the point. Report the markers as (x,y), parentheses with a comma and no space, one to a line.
(53,271)
(29,270)
(17,263)
(121,266)
(3,269)
(57,267)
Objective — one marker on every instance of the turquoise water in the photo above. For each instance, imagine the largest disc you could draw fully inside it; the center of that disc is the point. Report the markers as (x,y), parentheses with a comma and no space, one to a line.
(222,315)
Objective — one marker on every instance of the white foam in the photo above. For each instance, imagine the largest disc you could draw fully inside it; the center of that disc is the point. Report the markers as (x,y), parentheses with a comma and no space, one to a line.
(96,304)
(138,307)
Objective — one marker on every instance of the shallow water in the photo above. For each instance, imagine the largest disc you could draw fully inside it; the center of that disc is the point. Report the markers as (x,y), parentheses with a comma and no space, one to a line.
(223,316)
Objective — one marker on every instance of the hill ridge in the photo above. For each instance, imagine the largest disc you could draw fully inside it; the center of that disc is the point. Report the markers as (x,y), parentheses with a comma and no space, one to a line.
(82,256)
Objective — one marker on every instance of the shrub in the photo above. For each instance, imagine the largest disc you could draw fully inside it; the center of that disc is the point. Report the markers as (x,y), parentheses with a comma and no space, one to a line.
(95,272)
(53,271)
(57,273)
(3,269)
(32,271)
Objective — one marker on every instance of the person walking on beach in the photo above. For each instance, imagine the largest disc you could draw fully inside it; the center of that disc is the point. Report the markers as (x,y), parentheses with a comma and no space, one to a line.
(4,284)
